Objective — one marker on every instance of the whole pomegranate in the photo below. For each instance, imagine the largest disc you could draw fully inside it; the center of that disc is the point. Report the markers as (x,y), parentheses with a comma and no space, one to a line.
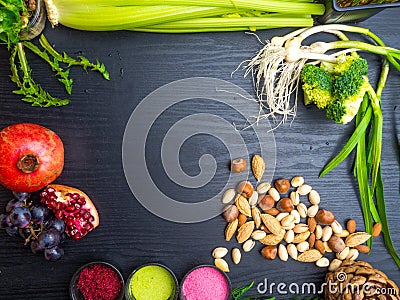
(31,157)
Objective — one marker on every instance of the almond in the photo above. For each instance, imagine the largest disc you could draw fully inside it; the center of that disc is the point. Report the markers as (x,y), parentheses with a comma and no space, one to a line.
(221,264)
(311,255)
(231,229)
(357,238)
(319,245)
(273,211)
(244,232)
(258,166)
(376,229)
(273,239)
(301,237)
(256,215)
(271,223)
(363,248)
(311,240)
(243,205)
(351,226)
(312,223)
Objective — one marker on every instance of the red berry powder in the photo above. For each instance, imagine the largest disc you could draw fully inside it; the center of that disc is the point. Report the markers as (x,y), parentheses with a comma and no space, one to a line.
(99,282)
(205,283)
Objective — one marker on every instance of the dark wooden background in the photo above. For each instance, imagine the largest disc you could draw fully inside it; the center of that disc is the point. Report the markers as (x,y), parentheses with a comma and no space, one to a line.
(92,127)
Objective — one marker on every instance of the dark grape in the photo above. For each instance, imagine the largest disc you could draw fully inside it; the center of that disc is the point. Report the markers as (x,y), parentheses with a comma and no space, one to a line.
(49,238)
(5,221)
(57,224)
(63,237)
(20,217)
(12,231)
(35,248)
(21,196)
(13,203)
(54,253)
(39,212)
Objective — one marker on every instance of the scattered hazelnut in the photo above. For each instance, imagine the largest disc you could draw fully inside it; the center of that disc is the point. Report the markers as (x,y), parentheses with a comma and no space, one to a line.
(266,202)
(238,165)
(282,185)
(245,188)
(324,217)
(269,252)
(242,219)
(285,205)
(336,244)
(230,213)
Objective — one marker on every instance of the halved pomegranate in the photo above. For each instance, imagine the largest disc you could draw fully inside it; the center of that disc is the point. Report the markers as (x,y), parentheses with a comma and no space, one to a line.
(73,206)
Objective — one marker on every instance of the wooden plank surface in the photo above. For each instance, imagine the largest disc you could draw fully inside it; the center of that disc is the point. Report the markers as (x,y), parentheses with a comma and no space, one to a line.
(92,127)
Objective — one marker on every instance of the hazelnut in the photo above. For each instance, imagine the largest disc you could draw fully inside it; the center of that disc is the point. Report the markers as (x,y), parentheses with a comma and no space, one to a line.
(282,185)
(245,188)
(324,217)
(273,211)
(336,244)
(230,213)
(242,219)
(238,165)
(285,205)
(266,202)
(269,252)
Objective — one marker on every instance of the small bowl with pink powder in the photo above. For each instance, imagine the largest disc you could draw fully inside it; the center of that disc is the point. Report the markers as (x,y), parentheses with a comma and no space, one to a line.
(205,282)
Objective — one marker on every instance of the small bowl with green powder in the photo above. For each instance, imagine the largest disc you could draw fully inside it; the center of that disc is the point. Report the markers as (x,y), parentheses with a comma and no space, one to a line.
(152,282)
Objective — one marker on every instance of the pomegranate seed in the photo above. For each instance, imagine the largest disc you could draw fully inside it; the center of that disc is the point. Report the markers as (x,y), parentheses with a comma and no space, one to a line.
(70,223)
(73,231)
(91,219)
(70,208)
(82,201)
(59,206)
(77,206)
(75,196)
(86,215)
(83,231)
(59,214)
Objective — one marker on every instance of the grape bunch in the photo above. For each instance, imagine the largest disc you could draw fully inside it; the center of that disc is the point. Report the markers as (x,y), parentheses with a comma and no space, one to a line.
(26,217)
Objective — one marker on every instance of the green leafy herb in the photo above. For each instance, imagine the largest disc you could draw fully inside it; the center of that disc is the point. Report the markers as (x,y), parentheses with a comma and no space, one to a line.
(11,21)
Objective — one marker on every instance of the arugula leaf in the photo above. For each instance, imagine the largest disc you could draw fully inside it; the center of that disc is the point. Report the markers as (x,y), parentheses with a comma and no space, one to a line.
(10,21)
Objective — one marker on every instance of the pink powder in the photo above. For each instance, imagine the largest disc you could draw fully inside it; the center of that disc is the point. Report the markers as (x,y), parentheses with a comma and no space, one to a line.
(205,283)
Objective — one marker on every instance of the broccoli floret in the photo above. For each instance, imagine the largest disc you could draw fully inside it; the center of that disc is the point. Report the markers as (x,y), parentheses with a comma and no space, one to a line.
(317,86)
(349,88)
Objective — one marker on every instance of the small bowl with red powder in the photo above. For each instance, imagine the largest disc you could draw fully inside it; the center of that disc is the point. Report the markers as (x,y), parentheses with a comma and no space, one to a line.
(97,281)
(205,282)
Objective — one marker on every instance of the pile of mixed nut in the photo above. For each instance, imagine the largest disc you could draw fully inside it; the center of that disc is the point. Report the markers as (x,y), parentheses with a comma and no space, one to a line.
(275,216)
